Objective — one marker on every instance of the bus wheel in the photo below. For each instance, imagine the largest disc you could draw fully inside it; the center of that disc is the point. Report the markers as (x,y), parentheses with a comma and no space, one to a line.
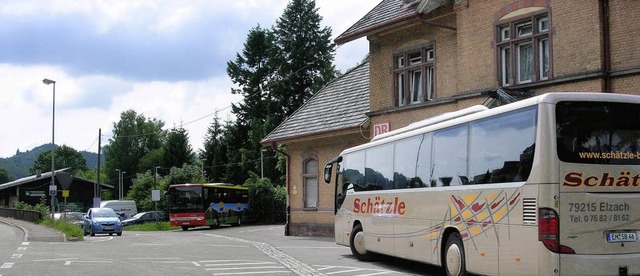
(356,242)
(216,223)
(185,228)
(454,259)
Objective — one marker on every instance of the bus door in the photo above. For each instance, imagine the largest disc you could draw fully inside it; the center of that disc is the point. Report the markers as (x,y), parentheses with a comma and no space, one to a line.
(598,145)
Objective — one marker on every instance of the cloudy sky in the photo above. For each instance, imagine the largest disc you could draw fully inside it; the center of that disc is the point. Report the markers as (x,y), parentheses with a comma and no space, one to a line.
(164,59)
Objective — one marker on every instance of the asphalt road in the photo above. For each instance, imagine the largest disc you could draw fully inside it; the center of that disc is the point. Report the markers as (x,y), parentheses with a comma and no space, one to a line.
(245,250)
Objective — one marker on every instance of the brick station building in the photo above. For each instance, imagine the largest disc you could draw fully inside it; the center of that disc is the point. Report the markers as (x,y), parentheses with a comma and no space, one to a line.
(428,57)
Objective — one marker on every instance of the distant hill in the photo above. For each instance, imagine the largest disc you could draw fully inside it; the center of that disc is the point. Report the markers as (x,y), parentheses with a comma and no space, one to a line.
(18,165)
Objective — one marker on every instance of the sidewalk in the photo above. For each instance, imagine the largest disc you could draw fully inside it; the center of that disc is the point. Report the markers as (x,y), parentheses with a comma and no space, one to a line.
(35,232)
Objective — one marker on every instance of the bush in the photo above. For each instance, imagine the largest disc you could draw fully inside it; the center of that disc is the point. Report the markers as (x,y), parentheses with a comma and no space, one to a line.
(267,203)
(41,207)
(70,230)
(151,226)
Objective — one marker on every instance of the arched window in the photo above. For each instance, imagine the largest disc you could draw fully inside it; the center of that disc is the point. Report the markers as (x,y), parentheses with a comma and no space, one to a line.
(310,182)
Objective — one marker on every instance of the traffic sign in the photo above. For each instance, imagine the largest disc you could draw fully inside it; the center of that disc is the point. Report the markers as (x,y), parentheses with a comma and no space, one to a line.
(65,179)
(53,190)
(65,193)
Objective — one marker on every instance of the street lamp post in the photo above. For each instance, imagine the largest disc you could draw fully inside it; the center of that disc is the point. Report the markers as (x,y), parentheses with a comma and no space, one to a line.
(262,163)
(122,185)
(202,169)
(119,181)
(155,185)
(120,173)
(53,143)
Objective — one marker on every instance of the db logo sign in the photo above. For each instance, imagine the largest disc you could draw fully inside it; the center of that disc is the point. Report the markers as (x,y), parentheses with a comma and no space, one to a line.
(380,128)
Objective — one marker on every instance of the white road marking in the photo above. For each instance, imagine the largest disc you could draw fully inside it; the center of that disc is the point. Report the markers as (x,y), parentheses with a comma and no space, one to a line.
(378,273)
(16,256)
(99,239)
(194,263)
(7,265)
(22,248)
(224,245)
(316,247)
(247,273)
(345,271)
(254,263)
(55,260)
(238,268)
(173,258)
(291,263)
(69,262)
(25,243)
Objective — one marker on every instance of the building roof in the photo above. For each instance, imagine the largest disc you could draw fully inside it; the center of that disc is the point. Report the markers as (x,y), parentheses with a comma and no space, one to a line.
(385,15)
(339,106)
(389,14)
(45,175)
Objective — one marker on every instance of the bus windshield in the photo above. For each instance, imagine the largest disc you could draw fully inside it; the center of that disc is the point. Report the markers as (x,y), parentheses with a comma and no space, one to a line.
(598,132)
(185,199)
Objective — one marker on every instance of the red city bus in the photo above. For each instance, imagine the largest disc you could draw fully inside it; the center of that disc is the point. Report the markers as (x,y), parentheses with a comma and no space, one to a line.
(192,205)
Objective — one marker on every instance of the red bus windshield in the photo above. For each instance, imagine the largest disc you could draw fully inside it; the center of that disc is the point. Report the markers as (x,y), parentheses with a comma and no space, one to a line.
(186,199)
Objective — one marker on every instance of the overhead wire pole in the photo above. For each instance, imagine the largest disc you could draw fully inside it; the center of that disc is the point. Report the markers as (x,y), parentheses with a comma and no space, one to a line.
(96,189)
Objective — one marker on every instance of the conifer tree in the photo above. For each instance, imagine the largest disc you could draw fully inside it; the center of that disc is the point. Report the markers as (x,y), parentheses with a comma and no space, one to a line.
(177,150)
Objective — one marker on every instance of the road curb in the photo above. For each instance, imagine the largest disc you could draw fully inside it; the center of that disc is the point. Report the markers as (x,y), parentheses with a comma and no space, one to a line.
(24,230)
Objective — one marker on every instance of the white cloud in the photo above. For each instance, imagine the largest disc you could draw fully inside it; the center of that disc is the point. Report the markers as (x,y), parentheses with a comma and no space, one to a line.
(163,59)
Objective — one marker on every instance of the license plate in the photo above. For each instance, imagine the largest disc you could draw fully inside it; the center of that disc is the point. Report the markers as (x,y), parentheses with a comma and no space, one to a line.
(186,223)
(622,236)
(107,228)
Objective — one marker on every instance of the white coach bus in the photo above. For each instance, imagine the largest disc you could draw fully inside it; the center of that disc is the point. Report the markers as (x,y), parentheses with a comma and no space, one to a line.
(549,185)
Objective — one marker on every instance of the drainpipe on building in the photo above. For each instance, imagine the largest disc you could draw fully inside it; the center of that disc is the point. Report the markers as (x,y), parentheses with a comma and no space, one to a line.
(606,47)
(288,211)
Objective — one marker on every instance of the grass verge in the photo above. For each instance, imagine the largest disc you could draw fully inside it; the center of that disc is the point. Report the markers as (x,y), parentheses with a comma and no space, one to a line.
(151,226)
(71,231)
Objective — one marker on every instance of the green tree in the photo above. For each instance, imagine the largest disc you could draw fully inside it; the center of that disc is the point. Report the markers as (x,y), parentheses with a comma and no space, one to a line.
(65,157)
(267,202)
(134,136)
(251,72)
(141,187)
(214,152)
(177,150)
(151,160)
(91,174)
(304,56)
(185,174)
(4,175)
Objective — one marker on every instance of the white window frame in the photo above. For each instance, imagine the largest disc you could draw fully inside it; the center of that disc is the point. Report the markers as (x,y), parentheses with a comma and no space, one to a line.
(532,32)
(543,56)
(414,69)
(505,65)
(310,201)
(520,67)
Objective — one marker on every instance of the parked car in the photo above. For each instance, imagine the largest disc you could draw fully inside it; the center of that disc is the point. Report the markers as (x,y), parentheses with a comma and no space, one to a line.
(102,221)
(76,218)
(146,217)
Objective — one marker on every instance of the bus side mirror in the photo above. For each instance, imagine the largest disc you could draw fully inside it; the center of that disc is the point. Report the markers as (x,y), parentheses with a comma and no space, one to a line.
(327,172)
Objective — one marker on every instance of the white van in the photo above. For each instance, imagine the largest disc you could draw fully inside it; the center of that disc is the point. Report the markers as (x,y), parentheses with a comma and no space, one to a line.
(125,208)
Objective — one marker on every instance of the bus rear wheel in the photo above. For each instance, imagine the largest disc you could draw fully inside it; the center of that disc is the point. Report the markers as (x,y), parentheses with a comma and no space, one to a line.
(357,244)
(185,228)
(454,257)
